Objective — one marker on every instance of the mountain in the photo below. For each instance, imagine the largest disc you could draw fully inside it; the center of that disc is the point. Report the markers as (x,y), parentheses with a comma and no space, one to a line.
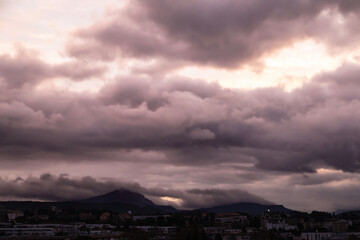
(122,199)
(166,208)
(121,196)
(348,212)
(249,208)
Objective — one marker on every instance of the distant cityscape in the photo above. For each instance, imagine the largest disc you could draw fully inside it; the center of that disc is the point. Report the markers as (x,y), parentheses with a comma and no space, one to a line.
(123,214)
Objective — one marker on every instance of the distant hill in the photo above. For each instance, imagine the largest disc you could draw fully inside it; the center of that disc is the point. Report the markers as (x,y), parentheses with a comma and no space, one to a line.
(348,212)
(118,201)
(249,208)
(123,200)
(121,196)
(167,208)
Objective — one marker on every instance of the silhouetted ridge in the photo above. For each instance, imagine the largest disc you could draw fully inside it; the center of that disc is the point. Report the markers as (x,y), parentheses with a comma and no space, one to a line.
(121,196)
(249,208)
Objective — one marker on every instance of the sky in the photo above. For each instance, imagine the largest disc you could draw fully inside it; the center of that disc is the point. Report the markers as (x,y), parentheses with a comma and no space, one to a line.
(192,103)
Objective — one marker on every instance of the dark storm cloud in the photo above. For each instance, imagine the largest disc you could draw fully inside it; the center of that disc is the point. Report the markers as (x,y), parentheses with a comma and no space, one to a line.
(64,188)
(58,188)
(191,122)
(225,34)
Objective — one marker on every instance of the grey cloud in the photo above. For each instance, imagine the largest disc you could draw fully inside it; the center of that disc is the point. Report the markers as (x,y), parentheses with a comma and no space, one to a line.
(202,134)
(191,122)
(54,188)
(224,34)
(135,40)
(201,198)
(152,116)
(157,68)
(349,6)
(78,70)
(25,68)
(22,69)
(323,178)
(134,91)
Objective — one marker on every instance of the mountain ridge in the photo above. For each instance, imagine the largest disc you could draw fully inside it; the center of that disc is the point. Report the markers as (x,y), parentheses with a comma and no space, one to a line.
(123,200)
(120,196)
(247,207)
(124,196)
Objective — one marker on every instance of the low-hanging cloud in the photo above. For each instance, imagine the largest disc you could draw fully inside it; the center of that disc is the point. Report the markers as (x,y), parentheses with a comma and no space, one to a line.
(50,187)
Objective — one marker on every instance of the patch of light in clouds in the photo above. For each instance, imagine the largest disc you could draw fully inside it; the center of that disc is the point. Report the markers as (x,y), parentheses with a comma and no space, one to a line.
(289,67)
(173,200)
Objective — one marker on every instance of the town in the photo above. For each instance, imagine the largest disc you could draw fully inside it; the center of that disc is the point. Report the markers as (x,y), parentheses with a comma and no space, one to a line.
(52,222)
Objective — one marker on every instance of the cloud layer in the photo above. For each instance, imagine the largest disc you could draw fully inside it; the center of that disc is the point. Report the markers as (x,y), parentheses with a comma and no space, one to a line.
(225,34)
(143,111)
(63,188)
(191,122)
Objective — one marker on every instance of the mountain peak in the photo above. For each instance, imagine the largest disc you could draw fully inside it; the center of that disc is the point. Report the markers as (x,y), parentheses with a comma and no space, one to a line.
(121,196)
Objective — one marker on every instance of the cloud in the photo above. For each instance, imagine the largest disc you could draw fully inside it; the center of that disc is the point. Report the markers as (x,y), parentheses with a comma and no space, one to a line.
(303,192)
(225,34)
(64,188)
(22,69)
(202,134)
(307,192)
(191,122)
(202,198)
(169,129)
(214,197)
(299,192)
(54,188)
(26,68)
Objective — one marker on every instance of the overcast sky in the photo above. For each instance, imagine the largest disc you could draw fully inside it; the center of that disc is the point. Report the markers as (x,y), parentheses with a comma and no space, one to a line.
(192,103)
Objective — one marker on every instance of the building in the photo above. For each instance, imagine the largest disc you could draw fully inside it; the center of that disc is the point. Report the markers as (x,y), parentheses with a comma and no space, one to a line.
(278,225)
(316,235)
(86,216)
(340,226)
(230,218)
(105,217)
(12,215)
(27,232)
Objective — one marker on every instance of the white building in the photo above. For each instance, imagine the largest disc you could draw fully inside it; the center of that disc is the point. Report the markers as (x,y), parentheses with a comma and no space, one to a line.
(280,225)
(316,235)
(14,214)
